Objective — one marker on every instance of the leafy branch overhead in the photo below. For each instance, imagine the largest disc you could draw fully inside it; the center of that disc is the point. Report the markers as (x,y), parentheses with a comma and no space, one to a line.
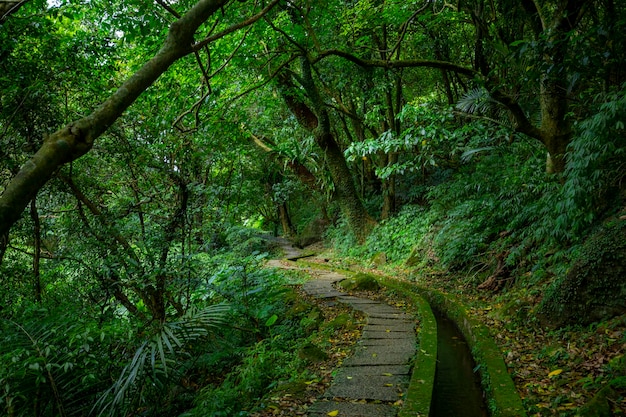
(159,159)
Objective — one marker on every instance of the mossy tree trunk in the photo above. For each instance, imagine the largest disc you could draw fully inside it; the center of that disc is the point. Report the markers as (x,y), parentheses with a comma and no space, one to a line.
(77,138)
(315,118)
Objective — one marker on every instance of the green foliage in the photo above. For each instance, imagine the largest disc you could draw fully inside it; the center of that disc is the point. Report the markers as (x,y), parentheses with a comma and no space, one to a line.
(160,361)
(597,273)
(596,167)
(54,363)
(263,364)
(266,361)
(427,141)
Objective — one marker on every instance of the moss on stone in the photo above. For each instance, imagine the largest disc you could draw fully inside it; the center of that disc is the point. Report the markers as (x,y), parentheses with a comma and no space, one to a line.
(312,353)
(503,399)
(360,282)
(342,320)
(594,288)
(379,259)
(599,405)
(501,394)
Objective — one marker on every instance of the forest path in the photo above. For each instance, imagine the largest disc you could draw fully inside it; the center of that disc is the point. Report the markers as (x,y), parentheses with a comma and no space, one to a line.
(373,381)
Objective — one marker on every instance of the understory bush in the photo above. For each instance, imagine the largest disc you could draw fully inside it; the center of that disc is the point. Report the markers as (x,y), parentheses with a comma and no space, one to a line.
(90,356)
(498,208)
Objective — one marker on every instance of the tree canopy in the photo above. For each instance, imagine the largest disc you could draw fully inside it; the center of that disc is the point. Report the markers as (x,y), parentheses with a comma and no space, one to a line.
(145,147)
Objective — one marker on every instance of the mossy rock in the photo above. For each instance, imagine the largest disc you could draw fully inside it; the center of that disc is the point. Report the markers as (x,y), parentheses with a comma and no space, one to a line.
(518,309)
(594,288)
(598,406)
(379,259)
(360,282)
(312,232)
(312,353)
(292,388)
(313,319)
(342,320)
(414,257)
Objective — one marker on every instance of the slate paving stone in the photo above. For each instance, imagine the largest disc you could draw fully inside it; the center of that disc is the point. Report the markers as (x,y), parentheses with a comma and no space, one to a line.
(358,301)
(378,309)
(384,349)
(377,321)
(392,327)
(373,334)
(375,370)
(379,370)
(400,381)
(398,316)
(324,294)
(371,358)
(396,343)
(348,409)
(366,388)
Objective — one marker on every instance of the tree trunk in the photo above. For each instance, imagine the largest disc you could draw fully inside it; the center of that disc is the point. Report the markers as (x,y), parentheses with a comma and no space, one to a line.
(389,190)
(351,206)
(37,249)
(316,119)
(285,220)
(4,243)
(77,138)
(556,131)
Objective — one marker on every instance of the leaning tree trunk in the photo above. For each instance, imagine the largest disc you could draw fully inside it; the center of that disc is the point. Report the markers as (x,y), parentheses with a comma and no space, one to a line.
(556,132)
(317,120)
(77,138)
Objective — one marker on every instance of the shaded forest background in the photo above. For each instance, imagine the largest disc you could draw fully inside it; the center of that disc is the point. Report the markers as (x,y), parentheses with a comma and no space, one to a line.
(148,151)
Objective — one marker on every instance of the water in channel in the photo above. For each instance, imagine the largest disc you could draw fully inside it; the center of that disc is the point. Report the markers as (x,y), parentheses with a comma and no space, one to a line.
(457,391)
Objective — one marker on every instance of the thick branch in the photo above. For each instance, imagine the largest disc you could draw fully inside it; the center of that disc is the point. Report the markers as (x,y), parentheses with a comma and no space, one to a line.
(76,139)
(405,63)
(236,27)
(7,8)
(522,124)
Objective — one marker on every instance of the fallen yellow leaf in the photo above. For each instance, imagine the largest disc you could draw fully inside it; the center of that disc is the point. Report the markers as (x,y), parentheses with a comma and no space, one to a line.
(333,413)
(554,373)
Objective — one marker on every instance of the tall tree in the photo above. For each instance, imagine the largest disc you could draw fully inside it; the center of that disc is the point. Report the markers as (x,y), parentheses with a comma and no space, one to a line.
(77,138)
(314,117)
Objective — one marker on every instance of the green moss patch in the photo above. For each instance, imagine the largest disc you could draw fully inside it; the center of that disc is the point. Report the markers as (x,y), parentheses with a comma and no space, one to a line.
(360,282)
(594,288)
(420,391)
(502,396)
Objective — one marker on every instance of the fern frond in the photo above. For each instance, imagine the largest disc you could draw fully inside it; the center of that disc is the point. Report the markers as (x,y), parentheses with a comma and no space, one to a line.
(154,359)
(479,103)
(476,101)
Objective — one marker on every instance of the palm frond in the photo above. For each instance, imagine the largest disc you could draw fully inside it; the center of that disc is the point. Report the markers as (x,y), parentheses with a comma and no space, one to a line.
(155,360)
(476,101)
(479,103)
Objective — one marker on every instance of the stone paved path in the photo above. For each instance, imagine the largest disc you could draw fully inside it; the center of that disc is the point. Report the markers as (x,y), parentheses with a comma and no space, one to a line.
(377,375)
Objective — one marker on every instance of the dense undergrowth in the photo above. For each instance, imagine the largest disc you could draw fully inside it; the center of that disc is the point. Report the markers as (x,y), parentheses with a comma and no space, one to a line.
(502,234)
(222,357)
(480,218)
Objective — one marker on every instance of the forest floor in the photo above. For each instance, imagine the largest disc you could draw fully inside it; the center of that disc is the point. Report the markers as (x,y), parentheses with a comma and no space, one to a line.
(556,372)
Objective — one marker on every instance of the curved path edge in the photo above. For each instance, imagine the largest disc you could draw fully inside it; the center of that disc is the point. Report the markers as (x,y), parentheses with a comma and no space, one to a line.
(502,396)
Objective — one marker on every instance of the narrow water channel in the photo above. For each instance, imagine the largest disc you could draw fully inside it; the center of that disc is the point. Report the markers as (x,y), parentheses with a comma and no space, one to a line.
(457,391)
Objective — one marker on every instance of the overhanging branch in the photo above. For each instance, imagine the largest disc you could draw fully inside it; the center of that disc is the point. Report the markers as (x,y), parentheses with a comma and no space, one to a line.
(236,27)
(402,63)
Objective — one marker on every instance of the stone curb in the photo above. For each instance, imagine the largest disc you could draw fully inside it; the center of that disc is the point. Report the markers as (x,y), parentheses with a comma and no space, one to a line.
(503,401)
